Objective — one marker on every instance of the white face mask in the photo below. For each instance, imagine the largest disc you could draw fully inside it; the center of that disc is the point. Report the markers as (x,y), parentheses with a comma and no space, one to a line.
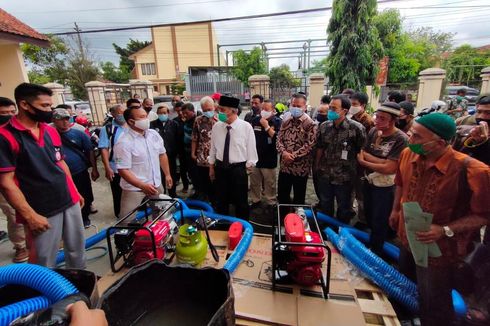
(354,110)
(265,114)
(143,124)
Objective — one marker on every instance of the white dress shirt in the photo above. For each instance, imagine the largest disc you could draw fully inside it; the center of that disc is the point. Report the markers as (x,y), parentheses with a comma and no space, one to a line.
(242,143)
(140,154)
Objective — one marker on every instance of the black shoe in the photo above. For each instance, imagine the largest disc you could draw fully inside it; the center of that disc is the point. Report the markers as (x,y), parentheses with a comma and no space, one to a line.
(87,223)
(3,235)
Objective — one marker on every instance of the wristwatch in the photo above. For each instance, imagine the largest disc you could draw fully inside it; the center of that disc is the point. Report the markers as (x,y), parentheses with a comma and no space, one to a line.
(447,230)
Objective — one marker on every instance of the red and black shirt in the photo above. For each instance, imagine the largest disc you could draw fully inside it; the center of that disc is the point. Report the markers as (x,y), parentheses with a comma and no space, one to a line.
(37,165)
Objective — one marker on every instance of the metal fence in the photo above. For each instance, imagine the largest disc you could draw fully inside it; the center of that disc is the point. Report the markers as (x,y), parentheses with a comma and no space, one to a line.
(208,84)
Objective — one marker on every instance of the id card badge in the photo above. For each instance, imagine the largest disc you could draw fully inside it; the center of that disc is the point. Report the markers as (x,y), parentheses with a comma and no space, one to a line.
(343,156)
(269,140)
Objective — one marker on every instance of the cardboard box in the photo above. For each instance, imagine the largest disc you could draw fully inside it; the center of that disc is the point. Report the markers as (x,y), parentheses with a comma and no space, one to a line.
(257,304)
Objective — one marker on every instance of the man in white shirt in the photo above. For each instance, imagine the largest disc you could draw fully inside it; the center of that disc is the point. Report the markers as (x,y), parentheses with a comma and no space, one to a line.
(232,152)
(148,106)
(139,154)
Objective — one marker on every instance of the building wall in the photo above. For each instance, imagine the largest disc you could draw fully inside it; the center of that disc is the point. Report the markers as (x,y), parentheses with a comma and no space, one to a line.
(193,46)
(178,47)
(146,55)
(12,68)
(162,41)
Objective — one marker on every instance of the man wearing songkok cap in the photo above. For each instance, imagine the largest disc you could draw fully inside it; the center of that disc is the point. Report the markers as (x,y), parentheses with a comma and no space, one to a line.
(232,152)
(453,188)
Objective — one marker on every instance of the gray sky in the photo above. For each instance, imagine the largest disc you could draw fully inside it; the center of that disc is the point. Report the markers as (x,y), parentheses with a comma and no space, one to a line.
(467,18)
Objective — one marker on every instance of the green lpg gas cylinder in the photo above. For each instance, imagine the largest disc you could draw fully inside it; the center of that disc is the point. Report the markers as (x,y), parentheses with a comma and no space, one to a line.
(192,246)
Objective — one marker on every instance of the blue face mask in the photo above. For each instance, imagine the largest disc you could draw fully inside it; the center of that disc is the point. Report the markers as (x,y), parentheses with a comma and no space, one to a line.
(119,120)
(321,118)
(163,117)
(72,119)
(332,115)
(209,114)
(296,112)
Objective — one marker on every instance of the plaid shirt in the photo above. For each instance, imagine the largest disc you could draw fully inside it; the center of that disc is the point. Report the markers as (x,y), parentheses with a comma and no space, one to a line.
(201,134)
(297,136)
(349,136)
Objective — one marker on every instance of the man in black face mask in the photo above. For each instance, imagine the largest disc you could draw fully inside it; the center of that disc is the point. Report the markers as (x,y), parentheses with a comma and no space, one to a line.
(37,183)
(472,132)
(257,101)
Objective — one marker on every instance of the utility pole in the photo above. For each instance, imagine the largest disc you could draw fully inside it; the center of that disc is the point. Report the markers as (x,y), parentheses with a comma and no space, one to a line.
(80,44)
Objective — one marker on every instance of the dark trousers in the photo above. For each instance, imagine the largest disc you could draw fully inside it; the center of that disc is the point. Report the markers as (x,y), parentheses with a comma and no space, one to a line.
(206,187)
(192,172)
(329,193)
(116,194)
(285,183)
(183,170)
(434,285)
(84,185)
(231,186)
(172,164)
(378,202)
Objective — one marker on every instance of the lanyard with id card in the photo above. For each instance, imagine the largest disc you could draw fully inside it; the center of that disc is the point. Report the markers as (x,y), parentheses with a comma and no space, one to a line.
(344,154)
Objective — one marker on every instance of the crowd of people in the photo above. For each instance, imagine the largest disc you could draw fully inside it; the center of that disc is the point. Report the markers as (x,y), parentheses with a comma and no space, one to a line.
(362,165)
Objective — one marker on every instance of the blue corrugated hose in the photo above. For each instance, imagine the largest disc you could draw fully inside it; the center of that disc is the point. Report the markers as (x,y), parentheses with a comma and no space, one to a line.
(52,285)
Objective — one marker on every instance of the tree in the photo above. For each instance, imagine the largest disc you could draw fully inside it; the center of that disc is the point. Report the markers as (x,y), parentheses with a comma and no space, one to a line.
(355,47)
(46,64)
(65,61)
(126,64)
(437,43)
(389,26)
(113,73)
(318,66)
(415,51)
(464,65)
(248,64)
(282,77)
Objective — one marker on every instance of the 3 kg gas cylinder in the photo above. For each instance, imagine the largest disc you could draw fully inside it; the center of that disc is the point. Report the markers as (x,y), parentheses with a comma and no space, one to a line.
(192,247)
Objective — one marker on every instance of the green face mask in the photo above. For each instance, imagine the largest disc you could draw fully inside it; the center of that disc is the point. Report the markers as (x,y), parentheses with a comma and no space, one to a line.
(419,148)
(222,117)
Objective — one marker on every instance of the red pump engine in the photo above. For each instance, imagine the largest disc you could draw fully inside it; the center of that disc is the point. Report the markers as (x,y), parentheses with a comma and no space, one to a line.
(143,249)
(305,267)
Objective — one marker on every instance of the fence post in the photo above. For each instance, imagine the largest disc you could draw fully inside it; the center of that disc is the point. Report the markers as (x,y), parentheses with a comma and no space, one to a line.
(430,87)
(317,85)
(373,97)
(259,84)
(485,80)
(96,97)
(58,91)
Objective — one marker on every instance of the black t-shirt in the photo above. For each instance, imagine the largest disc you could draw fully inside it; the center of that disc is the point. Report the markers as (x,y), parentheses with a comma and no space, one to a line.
(389,147)
(37,166)
(266,146)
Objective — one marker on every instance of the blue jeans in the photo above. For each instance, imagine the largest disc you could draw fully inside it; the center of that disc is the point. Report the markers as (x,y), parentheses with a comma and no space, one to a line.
(328,193)
(378,202)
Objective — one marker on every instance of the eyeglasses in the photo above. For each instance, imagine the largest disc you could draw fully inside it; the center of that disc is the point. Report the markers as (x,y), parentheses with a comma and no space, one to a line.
(135,106)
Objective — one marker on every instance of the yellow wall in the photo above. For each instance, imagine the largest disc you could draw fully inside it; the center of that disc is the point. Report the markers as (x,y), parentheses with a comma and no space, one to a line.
(12,69)
(145,55)
(162,41)
(193,46)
